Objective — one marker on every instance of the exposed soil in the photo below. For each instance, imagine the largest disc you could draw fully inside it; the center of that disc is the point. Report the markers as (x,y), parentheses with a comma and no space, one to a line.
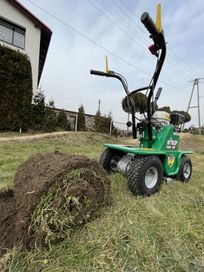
(45,173)
(7,219)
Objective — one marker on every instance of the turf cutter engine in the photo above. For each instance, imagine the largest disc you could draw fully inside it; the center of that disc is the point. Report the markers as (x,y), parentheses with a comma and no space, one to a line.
(157,156)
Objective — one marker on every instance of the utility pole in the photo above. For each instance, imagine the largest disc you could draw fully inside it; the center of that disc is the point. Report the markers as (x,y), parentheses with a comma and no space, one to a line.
(195,84)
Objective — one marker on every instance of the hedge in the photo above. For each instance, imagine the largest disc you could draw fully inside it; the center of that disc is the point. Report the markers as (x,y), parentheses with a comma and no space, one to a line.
(15,89)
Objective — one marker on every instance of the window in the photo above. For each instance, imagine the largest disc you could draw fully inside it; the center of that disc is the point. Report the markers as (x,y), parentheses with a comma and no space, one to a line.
(12,33)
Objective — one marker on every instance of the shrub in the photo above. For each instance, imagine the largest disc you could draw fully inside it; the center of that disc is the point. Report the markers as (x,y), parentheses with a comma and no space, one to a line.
(140,101)
(97,121)
(184,113)
(62,121)
(16,89)
(38,111)
(50,123)
(102,123)
(81,119)
(165,108)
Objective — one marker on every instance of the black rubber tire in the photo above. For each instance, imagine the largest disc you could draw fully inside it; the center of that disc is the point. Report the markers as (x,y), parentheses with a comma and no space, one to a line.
(180,176)
(106,157)
(137,171)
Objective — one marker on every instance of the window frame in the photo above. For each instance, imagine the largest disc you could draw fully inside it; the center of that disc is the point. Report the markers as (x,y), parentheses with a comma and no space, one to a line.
(15,29)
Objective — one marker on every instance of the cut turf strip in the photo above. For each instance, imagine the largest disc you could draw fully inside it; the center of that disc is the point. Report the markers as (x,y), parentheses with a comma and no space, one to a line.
(53,193)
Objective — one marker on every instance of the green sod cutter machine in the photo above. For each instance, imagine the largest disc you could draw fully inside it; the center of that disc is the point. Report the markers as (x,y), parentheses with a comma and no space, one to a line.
(157,156)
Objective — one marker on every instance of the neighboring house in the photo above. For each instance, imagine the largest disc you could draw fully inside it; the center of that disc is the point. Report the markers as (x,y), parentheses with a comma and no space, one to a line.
(72,117)
(23,31)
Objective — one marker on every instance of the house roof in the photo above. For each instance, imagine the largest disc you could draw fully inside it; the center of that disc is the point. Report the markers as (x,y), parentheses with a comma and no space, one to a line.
(46,34)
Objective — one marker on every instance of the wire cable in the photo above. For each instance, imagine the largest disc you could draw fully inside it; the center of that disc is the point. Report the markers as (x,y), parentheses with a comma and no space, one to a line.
(188,68)
(100,46)
(131,37)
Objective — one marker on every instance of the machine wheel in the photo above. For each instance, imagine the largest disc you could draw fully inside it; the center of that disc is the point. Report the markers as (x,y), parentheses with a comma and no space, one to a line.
(145,175)
(109,160)
(185,170)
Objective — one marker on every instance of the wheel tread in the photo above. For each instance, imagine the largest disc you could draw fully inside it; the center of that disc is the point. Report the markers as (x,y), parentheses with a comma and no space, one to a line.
(105,158)
(180,175)
(134,174)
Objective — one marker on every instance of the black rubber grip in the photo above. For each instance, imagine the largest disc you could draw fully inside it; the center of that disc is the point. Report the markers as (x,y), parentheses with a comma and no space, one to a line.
(97,73)
(149,24)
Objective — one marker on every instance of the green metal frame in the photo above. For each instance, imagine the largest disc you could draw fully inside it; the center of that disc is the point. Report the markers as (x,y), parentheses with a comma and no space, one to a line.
(164,144)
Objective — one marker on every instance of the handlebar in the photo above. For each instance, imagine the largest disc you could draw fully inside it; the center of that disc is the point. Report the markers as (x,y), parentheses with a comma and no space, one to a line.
(149,24)
(97,73)
(159,44)
(151,27)
(125,86)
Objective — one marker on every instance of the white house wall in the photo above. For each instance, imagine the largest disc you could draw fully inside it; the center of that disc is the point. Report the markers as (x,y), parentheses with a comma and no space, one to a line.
(32,36)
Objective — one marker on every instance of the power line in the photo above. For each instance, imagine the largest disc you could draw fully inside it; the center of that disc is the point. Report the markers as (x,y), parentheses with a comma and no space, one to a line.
(171,53)
(199,78)
(89,39)
(132,30)
(178,61)
(176,74)
(133,38)
(99,45)
(120,19)
(126,33)
(130,18)
(188,68)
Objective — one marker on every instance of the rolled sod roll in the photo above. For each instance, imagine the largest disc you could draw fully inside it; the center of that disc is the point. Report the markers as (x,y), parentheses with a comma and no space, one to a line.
(55,193)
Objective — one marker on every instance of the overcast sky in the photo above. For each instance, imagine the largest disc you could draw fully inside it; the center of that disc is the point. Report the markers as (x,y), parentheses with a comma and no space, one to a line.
(115,25)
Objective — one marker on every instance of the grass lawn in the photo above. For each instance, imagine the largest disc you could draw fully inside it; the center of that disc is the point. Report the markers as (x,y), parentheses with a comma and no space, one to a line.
(159,233)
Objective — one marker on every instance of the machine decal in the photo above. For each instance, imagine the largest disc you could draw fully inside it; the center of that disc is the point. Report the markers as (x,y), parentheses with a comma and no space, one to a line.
(171,144)
(171,160)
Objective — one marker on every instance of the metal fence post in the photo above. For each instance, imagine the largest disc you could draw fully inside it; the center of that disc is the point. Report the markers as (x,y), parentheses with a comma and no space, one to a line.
(111,124)
(76,122)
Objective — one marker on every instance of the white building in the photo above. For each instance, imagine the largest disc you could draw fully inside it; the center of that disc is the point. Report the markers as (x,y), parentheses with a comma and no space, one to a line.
(23,31)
